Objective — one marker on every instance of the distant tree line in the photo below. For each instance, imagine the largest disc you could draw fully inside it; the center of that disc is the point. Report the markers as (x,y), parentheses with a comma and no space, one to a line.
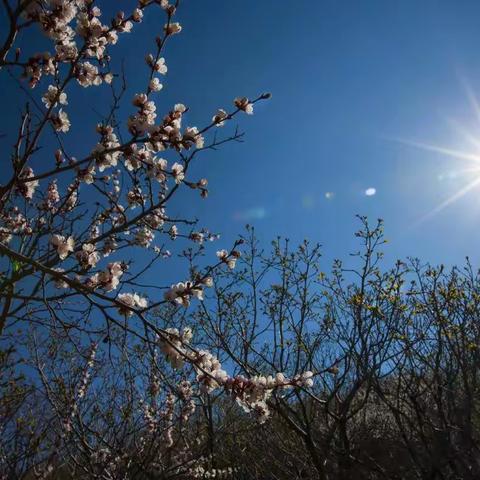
(395,356)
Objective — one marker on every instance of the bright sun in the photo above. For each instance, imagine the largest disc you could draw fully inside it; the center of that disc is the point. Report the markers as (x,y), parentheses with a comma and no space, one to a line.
(471,157)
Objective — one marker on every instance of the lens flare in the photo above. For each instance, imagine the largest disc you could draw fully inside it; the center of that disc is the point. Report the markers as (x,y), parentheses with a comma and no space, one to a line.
(471,156)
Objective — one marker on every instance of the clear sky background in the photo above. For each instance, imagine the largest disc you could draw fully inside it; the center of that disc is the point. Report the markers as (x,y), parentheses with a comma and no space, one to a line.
(354,84)
(357,86)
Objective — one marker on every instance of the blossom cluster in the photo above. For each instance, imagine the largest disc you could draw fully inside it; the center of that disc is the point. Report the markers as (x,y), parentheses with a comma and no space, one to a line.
(64,245)
(252,393)
(13,223)
(162,422)
(26,188)
(230,259)
(201,472)
(173,345)
(56,18)
(129,302)
(82,389)
(108,279)
(88,256)
(181,293)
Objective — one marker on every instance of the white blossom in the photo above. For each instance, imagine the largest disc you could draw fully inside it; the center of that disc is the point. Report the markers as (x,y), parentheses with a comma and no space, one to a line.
(220,117)
(178,173)
(64,245)
(27,188)
(52,97)
(155,85)
(88,256)
(173,28)
(229,260)
(131,301)
(244,104)
(108,279)
(60,121)
(87,75)
(180,293)
(137,15)
(173,232)
(144,237)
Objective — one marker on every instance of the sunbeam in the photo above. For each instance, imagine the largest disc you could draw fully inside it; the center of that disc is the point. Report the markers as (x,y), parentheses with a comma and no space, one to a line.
(449,152)
(449,201)
(471,172)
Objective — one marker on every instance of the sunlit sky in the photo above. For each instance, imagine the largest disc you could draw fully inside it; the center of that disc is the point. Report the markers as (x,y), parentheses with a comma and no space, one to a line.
(373,112)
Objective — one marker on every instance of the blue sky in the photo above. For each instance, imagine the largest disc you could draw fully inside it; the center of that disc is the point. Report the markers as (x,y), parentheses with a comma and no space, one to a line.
(355,84)
(349,80)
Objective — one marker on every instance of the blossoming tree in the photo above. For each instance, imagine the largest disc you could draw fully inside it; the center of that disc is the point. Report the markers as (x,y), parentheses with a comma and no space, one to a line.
(75,310)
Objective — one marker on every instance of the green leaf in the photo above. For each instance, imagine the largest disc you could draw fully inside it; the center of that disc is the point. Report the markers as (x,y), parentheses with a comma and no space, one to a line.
(16,266)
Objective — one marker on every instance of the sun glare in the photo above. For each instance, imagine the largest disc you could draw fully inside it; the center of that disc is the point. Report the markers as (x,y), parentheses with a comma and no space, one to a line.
(470,154)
